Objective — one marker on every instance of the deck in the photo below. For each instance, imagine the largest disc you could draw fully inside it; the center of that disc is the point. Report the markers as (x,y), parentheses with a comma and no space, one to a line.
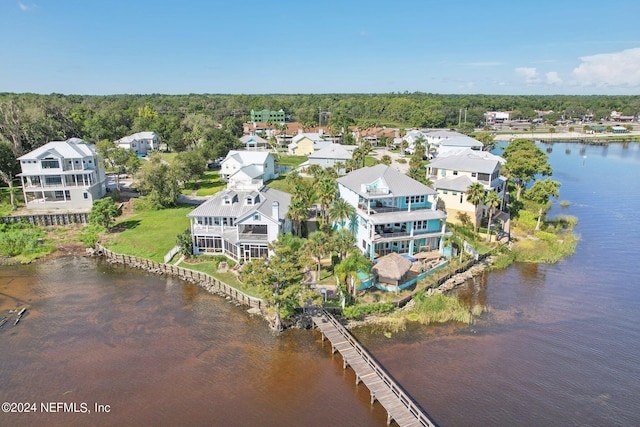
(400,407)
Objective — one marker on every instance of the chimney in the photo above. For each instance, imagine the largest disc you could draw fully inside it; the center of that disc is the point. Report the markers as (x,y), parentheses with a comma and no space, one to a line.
(275,211)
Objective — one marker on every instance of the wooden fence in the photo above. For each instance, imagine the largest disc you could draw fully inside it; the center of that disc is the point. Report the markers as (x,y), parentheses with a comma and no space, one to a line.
(206,281)
(48,219)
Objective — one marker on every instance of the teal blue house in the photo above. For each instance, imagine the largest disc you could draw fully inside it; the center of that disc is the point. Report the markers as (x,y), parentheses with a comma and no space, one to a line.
(395,213)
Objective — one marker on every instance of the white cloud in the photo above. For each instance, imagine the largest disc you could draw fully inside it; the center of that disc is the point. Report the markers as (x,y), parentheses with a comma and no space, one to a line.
(553,78)
(609,69)
(530,75)
(23,7)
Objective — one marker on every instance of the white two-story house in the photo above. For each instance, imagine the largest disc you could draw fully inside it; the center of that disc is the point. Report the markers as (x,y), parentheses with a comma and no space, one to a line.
(240,221)
(62,175)
(395,213)
(453,174)
(142,142)
(256,167)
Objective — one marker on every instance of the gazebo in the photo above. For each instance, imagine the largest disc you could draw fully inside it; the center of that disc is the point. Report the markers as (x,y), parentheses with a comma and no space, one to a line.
(392,269)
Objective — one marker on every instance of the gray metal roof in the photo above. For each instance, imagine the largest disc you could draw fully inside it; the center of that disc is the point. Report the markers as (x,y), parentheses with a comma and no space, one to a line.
(398,183)
(468,161)
(332,151)
(455,183)
(214,207)
(461,141)
(69,149)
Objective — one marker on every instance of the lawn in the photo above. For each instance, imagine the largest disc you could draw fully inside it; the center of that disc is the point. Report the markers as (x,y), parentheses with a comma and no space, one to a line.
(293,161)
(211,268)
(150,233)
(208,185)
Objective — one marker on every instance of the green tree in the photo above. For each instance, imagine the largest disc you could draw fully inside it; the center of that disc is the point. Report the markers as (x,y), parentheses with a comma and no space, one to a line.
(298,213)
(524,161)
(540,193)
(346,272)
(451,239)
(278,279)
(189,165)
(103,213)
(185,241)
(340,212)
(9,168)
(326,193)
(160,182)
(475,195)
(342,241)
(386,160)
(492,200)
(316,247)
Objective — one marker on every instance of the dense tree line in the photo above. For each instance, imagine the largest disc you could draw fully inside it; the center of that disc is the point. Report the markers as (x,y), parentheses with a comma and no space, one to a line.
(30,120)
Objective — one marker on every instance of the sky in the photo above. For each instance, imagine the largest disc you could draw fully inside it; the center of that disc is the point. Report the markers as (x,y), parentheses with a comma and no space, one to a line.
(103,47)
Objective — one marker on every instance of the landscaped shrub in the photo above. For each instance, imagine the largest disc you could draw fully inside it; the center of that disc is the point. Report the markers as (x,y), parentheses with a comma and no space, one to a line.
(359,311)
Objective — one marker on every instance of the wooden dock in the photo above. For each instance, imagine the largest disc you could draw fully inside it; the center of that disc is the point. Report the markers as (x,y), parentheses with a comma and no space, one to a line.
(399,405)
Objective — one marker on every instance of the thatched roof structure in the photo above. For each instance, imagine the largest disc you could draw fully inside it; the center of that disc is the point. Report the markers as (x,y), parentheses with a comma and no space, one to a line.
(392,268)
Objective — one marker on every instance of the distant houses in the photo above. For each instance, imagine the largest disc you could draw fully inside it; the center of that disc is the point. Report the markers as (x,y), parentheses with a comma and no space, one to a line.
(305,144)
(331,156)
(62,175)
(254,142)
(142,142)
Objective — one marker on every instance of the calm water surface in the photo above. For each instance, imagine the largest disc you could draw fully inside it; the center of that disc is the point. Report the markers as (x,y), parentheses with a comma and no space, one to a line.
(559,344)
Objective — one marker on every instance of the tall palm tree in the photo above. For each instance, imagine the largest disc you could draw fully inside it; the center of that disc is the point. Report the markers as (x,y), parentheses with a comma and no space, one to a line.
(364,150)
(298,212)
(342,241)
(316,247)
(326,193)
(492,201)
(340,211)
(475,195)
(347,271)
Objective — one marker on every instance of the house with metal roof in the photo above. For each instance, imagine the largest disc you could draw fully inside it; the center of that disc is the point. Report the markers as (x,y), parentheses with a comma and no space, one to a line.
(240,222)
(249,167)
(65,175)
(142,142)
(394,213)
(304,144)
(452,175)
(331,155)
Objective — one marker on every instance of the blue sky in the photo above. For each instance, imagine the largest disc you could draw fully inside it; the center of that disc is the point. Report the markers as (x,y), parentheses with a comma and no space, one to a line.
(349,46)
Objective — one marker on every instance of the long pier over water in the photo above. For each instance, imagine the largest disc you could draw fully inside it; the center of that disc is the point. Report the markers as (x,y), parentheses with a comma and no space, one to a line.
(399,405)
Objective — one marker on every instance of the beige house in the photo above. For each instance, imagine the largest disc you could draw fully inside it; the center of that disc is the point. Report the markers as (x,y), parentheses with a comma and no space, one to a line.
(452,175)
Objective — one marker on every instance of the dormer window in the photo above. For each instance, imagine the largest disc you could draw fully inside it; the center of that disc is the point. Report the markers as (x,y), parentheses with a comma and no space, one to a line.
(226,200)
(50,164)
(248,201)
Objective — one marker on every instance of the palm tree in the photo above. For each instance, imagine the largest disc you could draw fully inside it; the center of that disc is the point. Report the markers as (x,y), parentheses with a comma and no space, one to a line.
(316,246)
(347,271)
(298,212)
(342,241)
(451,239)
(326,193)
(475,196)
(340,211)
(492,201)
(363,151)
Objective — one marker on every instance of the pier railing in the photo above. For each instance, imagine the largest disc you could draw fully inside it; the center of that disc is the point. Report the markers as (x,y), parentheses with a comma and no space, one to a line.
(412,406)
(206,281)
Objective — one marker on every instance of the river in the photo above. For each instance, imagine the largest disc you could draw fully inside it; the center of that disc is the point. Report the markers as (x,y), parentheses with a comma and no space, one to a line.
(558,344)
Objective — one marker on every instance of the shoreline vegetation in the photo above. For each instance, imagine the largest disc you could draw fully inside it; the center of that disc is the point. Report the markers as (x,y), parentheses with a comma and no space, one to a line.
(149,233)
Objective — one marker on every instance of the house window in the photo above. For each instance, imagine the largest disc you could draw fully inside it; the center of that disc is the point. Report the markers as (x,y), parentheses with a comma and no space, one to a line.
(248,201)
(443,172)
(85,195)
(445,191)
(454,193)
(226,201)
(50,164)
(473,174)
(364,244)
(256,217)
(455,172)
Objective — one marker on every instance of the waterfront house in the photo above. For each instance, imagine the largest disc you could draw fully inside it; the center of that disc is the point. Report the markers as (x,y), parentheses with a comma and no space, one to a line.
(452,174)
(240,221)
(394,212)
(240,166)
(62,175)
(142,142)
